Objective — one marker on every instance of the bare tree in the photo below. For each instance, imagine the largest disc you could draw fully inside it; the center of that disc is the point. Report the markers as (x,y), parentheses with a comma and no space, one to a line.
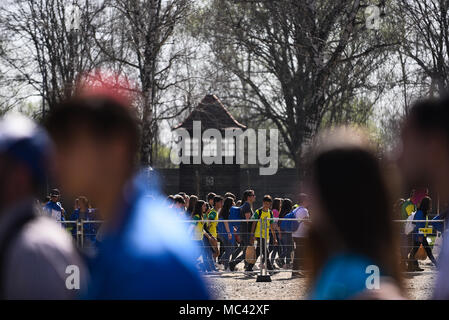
(138,37)
(49,45)
(300,63)
(423,29)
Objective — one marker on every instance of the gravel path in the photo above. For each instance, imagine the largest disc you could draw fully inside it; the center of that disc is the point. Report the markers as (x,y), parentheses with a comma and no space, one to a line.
(240,286)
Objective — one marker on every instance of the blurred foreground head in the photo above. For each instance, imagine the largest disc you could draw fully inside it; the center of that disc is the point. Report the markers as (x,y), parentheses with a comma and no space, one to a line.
(96,140)
(25,151)
(350,202)
(424,158)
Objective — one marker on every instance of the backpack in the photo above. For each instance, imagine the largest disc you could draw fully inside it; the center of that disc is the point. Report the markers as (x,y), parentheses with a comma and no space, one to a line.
(289,225)
(295,224)
(409,224)
(234,214)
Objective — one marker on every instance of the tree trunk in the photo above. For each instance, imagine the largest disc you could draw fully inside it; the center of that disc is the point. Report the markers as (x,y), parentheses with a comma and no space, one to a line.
(146,147)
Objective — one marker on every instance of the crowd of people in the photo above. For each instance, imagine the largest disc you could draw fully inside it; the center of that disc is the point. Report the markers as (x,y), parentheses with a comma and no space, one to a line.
(90,144)
(226,229)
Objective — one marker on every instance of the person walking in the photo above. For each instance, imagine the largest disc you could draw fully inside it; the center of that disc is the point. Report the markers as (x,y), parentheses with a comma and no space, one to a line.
(300,234)
(225,233)
(286,247)
(273,249)
(420,238)
(246,212)
(260,230)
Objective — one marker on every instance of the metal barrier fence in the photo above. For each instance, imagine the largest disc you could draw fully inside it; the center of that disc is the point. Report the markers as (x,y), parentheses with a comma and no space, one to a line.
(265,245)
(261,246)
(287,253)
(419,240)
(83,232)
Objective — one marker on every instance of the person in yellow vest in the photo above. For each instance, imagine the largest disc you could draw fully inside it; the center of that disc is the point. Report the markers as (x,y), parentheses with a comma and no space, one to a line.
(264,216)
(408,207)
(211,226)
(197,227)
(419,233)
(213,215)
(200,237)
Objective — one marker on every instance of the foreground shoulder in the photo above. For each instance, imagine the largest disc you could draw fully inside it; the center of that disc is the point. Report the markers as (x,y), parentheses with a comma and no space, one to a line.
(44,232)
(38,259)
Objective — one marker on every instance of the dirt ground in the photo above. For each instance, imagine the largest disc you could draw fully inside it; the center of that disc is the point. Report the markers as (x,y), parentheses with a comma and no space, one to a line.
(240,286)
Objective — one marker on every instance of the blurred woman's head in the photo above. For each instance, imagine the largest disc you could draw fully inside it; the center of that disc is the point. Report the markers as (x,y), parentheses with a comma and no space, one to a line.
(277,204)
(351,206)
(286,207)
(192,202)
(227,204)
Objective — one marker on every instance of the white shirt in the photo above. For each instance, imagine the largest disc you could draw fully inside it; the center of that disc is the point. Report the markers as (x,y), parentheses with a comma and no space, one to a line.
(301,213)
(37,258)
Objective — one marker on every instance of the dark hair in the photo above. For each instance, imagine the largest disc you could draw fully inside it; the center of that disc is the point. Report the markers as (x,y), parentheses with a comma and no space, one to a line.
(179,199)
(267,198)
(230,195)
(192,202)
(198,208)
(246,194)
(286,208)
(424,206)
(276,204)
(352,170)
(102,117)
(227,204)
(210,196)
(217,199)
(182,194)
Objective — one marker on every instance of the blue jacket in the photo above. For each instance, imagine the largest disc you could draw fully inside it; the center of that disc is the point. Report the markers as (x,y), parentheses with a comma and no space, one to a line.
(54,210)
(419,215)
(234,214)
(148,256)
(287,225)
(221,230)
